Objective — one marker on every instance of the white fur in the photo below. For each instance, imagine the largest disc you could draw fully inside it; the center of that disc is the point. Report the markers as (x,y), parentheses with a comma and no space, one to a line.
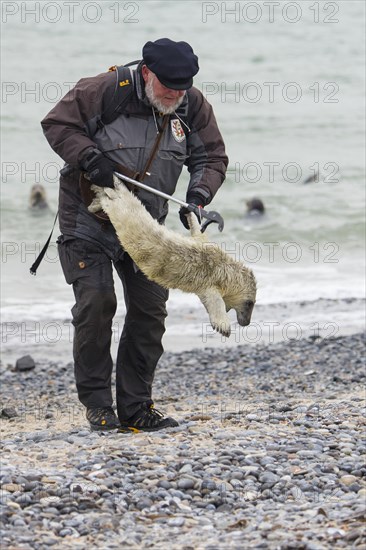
(191,264)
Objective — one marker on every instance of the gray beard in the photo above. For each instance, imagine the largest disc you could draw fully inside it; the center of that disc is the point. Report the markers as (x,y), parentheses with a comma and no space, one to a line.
(157,103)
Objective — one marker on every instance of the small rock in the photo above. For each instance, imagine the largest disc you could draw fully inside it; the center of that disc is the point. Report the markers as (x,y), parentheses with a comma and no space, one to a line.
(186,469)
(224,508)
(19,523)
(176,522)
(298,471)
(50,542)
(164,484)
(348,479)
(25,363)
(354,487)
(306,454)
(185,483)
(9,413)
(65,532)
(268,478)
(284,408)
(144,503)
(334,531)
(49,500)
(12,487)
(202,417)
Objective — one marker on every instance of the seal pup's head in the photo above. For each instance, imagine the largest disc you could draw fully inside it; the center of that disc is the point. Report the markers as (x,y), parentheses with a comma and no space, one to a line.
(255,207)
(38,198)
(242,295)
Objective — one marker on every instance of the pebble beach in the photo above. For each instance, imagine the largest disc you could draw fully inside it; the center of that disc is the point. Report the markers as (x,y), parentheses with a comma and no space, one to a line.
(269,453)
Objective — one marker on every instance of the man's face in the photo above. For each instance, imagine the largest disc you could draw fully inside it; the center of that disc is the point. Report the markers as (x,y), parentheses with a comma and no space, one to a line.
(164,99)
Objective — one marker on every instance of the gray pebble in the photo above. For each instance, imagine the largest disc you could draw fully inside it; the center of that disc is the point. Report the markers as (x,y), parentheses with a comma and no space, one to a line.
(25,363)
(164,484)
(186,483)
(65,532)
(176,522)
(269,478)
(9,412)
(144,503)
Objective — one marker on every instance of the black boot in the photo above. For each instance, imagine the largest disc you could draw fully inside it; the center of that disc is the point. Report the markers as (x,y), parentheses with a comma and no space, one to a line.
(102,419)
(148,419)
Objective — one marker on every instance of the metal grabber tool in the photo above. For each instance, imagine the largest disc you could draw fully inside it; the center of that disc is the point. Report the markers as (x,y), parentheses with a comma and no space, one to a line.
(210,217)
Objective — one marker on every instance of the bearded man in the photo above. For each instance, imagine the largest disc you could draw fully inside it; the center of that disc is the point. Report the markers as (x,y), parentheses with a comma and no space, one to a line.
(162,123)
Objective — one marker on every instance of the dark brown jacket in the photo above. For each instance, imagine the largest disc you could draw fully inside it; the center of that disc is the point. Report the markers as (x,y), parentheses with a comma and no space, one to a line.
(71,128)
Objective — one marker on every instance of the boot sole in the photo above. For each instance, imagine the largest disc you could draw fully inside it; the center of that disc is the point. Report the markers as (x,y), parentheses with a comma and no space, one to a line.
(103,428)
(126,429)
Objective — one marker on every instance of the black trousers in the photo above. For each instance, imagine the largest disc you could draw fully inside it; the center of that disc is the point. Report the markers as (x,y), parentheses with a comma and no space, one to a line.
(89,269)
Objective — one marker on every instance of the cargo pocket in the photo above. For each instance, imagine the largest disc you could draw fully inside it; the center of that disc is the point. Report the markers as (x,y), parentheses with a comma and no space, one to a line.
(82,260)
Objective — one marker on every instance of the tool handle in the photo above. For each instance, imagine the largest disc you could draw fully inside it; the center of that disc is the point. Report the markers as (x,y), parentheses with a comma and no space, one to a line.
(211,217)
(150,189)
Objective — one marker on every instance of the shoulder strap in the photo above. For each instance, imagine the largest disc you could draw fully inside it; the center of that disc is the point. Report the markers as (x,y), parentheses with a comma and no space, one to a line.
(116,98)
(154,150)
(40,256)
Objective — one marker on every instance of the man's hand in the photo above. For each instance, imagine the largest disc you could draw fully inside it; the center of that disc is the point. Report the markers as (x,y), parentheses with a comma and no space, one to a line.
(191,199)
(99,168)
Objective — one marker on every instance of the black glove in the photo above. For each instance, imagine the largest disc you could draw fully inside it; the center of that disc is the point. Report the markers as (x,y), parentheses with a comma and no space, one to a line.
(99,168)
(191,199)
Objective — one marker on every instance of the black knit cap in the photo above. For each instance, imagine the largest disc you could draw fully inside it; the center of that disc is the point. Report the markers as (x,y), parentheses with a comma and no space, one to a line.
(174,63)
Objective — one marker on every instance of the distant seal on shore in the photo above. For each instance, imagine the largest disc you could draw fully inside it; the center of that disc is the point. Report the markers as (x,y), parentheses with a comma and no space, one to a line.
(38,198)
(255,207)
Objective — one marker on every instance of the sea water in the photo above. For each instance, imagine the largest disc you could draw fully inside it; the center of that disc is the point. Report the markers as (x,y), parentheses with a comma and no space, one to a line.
(286,82)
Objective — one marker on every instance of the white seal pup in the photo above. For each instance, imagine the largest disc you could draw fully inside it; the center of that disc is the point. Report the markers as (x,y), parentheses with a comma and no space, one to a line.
(189,263)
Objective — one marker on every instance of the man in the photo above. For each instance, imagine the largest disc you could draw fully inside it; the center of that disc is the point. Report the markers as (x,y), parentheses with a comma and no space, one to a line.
(162,110)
